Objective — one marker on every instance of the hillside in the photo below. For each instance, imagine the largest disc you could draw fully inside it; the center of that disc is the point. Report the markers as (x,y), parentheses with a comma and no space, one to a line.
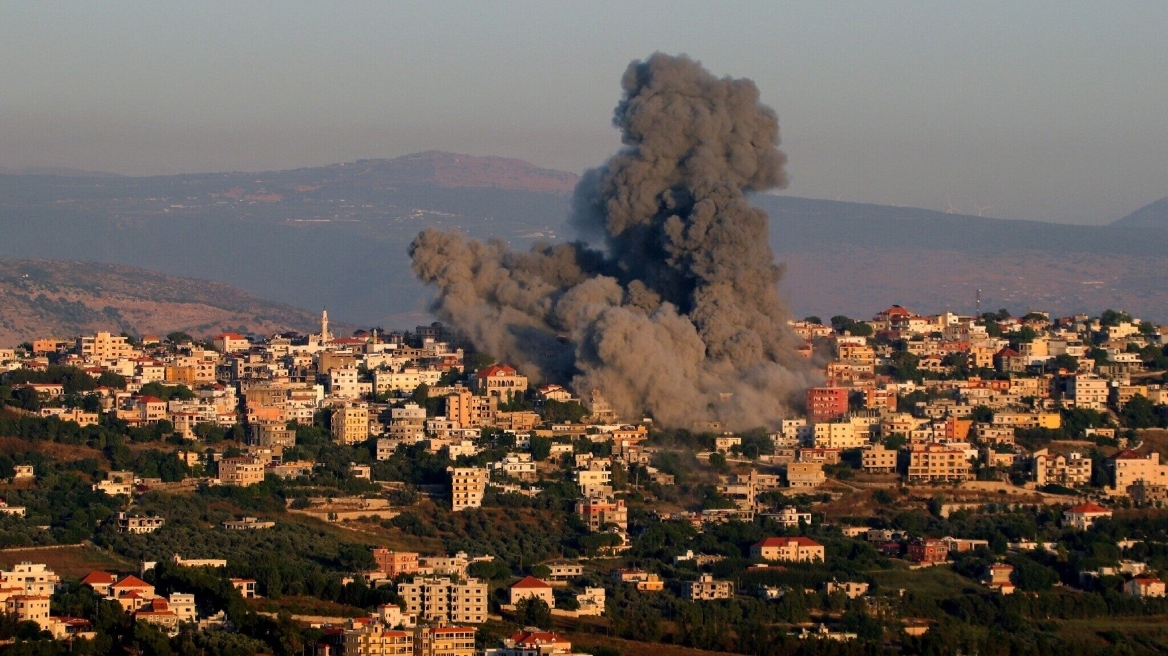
(48,297)
(337,235)
(1152,215)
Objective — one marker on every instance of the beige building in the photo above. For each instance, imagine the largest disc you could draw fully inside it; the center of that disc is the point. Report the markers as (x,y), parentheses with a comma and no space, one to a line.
(1088,391)
(1127,467)
(104,346)
(841,435)
(501,382)
(879,460)
(444,641)
(467,485)
(441,599)
(241,471)
(374,641)
(471,411)
(938,463)
(599,512)
(1071,471)
(530,586)
(708,589)
(805,474)
(796,550)
(350,424)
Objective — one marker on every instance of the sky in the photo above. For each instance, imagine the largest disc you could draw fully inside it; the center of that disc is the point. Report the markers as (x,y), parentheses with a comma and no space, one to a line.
(1048,111)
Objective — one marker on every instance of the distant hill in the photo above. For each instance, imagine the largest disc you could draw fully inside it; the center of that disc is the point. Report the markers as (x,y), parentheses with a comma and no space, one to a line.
(40,298)
(1152,215)
(57,172)
(337,235)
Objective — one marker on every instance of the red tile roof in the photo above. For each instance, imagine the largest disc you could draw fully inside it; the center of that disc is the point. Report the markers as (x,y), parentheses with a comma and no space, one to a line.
(99,578)
(1083,508)
(782,542)
(530,582)
(132,581)
(496,370)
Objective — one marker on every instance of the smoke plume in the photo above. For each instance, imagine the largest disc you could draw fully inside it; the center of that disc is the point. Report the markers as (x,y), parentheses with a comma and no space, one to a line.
(678,317)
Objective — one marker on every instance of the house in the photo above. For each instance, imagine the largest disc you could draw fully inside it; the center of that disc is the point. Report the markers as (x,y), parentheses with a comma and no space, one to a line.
(805,474)
(101,582)
(530,586)
(1144,586)
(533,642)
(139,524)
(798,549)
(598,513)
(1083,516)
(644,581)
(132,592)
(851,589)
(394,563)
(928,551)
(997,577)
(157,611)
(246,587)
(790,517)
(500,381)
(707,589)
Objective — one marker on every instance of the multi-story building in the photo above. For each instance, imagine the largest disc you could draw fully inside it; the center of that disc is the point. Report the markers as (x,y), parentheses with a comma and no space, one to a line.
(346,383)
(1127,467)
(104,346)
(467,485)
(375,641)
(528,587)
(1070,471)
(1088,391)
(878,460)
(500,381)
(805,474)
(241,471)
(444,641)
(470,411)
(1083,516)
(598,512)
(928,551)
(935,462)
(272,434)
(798,549)
(30,578)
(708,589)
(839,435)
(393,563)
(350,424)
(139,523)
(826,403)
(441,599)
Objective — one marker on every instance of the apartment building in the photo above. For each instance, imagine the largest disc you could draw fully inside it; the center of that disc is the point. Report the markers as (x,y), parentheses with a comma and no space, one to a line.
(805,474)
(1127,467)
(375,641)
(1070,470)
(104,346)
(350,424)
(444,641)
(878,460)
(938,463)
(826,403)
(469,410)
(1088,391)
(598,512)
(706,588)
(241,471)
(467,485)
(441,599)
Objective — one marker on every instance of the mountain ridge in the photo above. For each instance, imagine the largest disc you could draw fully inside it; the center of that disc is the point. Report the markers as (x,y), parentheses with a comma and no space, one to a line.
(1152,215)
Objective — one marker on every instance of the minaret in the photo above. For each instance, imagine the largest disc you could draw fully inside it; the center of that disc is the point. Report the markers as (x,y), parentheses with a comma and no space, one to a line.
(324,333)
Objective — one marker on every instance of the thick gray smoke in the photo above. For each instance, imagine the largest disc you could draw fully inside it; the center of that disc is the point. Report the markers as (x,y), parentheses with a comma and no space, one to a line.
(679,316)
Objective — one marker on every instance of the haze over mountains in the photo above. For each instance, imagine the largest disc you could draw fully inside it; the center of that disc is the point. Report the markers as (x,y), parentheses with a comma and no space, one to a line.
(336,236)
(41,298)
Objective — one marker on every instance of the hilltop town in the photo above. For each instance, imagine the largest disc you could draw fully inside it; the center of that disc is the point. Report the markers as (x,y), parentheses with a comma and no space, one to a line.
(954,482)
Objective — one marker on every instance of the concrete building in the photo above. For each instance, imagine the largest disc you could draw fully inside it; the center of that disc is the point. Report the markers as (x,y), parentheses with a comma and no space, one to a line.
(394,563)
(471,411)
(1088,391)
(467,485)
(441,599)
(1083,516)
(878,460)
(532,587)
(1128,466)
(1070,471)
(826,403)
(104,346)
(708,589)
(805,474)
(798,550)
(598,512)
(241,471)
(500,381)
(931,463)
(350,424)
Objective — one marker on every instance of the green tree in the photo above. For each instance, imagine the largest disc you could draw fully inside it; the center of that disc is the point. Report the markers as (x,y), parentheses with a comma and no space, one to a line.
(541,447)
(533,611)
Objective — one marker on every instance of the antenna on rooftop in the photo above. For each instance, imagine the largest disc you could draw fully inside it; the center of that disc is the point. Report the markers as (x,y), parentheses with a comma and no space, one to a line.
(977,313)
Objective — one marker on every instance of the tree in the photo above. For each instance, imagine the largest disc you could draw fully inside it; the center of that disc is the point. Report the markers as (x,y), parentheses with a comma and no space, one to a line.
(813,319)
(1139,413)
(533,611)
(1065,361)
(541,448)
(179,337)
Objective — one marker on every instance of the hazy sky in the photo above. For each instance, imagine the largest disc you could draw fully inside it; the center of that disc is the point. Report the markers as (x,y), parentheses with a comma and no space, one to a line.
(1054,111)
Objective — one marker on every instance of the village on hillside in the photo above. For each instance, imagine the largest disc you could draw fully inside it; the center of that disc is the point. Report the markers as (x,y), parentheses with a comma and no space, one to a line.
(401,493)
